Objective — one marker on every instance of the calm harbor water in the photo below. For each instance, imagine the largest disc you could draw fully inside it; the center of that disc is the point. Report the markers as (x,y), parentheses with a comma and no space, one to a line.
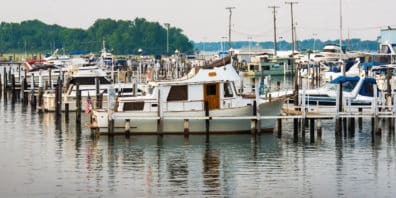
(42,157)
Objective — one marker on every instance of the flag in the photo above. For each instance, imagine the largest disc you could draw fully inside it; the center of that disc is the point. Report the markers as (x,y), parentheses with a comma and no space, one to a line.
(88,104)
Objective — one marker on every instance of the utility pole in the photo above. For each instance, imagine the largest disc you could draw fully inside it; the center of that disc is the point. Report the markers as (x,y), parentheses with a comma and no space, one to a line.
(292,24)
(274,12)
(229,26)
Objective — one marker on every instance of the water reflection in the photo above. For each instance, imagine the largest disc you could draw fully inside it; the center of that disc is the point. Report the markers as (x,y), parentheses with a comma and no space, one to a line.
(54,157)
(211,170)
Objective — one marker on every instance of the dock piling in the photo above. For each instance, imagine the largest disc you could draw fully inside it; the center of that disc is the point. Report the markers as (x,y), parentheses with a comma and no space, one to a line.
(78,104)
(186,128)
(312,130)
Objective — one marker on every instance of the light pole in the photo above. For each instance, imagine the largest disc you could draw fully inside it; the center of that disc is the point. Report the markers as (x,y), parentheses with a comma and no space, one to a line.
(177,63)
(140,64)
(314,41)
(250,55)
(167,37)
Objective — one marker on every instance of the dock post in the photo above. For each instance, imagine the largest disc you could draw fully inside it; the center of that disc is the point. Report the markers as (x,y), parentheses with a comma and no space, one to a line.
(40,93)
(279,127)
(253,122)
(319,129)
(1,86)
(24,92)
(207,119)
(67,112)
(186,128)
(98,98)
(13,90)
(360,120)
(50,78)
(351,125)
(110,126)
(295,132)
(372,126)
(127,126)
(78,104)
(303,127)
(312,130)
(5,79)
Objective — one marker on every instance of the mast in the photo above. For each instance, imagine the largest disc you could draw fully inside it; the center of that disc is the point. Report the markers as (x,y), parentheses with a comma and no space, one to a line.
(229,26)
(343,65)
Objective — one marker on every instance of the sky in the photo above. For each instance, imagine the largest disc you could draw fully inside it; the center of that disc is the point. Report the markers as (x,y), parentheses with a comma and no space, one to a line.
(207,20)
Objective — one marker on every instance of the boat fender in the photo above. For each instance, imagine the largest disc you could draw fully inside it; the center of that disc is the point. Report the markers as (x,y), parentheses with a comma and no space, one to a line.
(148,74)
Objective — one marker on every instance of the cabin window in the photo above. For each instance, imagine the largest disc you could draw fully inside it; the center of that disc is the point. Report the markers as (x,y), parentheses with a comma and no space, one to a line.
(177,93)
(228,90)
(266,67)
(133,106)
(211,90)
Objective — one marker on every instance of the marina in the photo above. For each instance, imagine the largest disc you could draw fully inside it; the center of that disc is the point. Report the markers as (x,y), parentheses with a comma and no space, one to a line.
(117,105)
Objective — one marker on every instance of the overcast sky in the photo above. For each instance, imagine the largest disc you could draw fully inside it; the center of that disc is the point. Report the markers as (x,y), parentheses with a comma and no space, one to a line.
(207,20)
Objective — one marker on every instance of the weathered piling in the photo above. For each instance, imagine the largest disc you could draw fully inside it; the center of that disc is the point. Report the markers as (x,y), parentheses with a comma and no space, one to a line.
(279,127)
(24,91)
(312,130)
(67,112)
(295,132)
(207,122)
(127,126)
(253,122)
(98,98)
(60,91)
(303,126)
(5,79)
(360,120)
(319,129)
(50,78)
(13,89)
(338,129)
(186,127)
(351,126)
(78,104)
(1,86)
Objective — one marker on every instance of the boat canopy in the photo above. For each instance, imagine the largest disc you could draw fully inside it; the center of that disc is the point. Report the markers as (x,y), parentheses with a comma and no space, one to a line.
(343,79)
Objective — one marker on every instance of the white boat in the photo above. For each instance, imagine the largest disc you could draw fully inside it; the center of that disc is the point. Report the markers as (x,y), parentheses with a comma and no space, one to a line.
(357,90)
(352,70)
(203,92)
(85,78)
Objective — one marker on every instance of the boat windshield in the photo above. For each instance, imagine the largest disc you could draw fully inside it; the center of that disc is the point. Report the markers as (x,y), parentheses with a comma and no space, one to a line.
(347,86)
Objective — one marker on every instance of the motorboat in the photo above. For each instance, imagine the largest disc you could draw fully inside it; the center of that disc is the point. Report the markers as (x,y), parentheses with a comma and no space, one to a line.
(355,91)
(204,92)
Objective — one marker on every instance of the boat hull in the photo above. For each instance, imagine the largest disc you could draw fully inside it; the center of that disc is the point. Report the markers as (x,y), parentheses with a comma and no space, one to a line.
(232,120)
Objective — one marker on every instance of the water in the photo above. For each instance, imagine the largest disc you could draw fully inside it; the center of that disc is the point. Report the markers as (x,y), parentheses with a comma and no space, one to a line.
(42,157)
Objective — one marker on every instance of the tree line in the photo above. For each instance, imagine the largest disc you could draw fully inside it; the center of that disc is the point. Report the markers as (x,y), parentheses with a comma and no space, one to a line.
(121,36)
